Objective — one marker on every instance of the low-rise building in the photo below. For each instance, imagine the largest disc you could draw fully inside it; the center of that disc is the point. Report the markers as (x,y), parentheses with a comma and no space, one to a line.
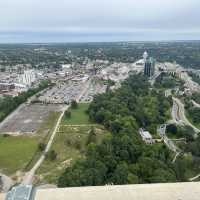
(146,136)
(6,87)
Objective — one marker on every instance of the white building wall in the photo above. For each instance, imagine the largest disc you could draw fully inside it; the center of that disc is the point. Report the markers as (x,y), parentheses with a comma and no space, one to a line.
(27,78)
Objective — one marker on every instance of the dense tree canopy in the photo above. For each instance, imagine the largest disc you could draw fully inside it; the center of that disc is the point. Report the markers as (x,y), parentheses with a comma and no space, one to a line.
(122,157)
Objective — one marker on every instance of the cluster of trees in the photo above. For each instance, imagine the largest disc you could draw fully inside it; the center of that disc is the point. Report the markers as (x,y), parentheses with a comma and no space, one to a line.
(194,114)
(192,111)
(74,104)
(186,132)
(122,157)
(196,97)
(191,146)
(8,104)
(68,114)
(167,81)
(194,147)
(51,155)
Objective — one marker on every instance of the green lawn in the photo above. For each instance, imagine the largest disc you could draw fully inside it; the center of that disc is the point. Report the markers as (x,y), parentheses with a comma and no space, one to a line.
(16,152)
(21,152)
(78,116)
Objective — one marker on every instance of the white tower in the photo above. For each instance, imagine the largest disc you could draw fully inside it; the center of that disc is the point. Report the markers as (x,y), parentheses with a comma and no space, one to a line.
(145,56)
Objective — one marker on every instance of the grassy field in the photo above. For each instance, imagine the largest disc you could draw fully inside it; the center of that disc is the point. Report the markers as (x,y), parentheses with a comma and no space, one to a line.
(21,152)
(15,152)
(70,144)
(43,135)
(78,116)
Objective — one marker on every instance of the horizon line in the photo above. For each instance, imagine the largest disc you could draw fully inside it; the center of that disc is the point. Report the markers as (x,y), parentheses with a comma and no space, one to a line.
(86,42)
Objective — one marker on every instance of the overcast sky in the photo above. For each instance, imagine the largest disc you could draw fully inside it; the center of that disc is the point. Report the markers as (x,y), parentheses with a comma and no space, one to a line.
(98,20)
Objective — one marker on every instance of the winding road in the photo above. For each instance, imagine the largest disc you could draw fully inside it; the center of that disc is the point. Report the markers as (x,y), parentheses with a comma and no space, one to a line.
(178,114)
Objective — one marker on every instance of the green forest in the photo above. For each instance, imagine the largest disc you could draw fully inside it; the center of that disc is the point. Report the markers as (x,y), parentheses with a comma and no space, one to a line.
(122,157)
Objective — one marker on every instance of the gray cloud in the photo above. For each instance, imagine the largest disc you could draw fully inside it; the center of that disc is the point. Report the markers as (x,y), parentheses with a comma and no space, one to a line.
(86,20)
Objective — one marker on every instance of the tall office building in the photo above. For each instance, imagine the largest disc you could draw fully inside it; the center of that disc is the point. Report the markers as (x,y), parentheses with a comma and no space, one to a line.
(149,65)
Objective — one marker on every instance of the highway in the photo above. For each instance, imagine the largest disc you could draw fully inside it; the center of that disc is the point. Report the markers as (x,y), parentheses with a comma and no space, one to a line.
(178,114)
(29,176)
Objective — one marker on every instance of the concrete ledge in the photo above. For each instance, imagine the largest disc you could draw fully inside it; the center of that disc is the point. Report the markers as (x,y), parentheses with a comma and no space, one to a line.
(2,196)
(168,191)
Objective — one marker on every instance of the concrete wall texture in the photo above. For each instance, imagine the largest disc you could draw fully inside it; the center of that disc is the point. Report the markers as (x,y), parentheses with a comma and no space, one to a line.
(168,191)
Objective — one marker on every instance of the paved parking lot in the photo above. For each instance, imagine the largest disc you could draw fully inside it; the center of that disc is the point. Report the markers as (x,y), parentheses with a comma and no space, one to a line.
(94,89)
(62,93)
(28,118)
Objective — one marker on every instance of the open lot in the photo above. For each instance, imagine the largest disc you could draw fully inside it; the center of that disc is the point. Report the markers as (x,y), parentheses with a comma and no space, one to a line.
(18,153)
(28,118)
